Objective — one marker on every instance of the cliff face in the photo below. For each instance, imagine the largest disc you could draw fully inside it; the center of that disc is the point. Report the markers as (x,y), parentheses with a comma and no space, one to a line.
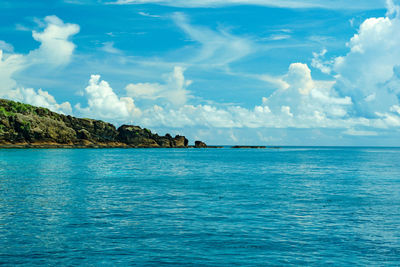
(28,126)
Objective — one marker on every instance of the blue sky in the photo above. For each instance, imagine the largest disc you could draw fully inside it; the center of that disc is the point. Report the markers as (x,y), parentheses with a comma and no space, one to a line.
(307,72)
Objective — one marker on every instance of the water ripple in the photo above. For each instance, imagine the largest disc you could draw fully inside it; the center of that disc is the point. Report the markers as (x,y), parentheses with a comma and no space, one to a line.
(294,206)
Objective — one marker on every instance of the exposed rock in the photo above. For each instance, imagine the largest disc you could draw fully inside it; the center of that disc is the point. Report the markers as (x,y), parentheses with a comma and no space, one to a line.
(134,135)
(249,147)
(83,134)
(23,125)
(180,141)
(199,144)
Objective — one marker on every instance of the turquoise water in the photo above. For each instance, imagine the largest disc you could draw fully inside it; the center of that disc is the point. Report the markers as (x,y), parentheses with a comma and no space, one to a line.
(203,207)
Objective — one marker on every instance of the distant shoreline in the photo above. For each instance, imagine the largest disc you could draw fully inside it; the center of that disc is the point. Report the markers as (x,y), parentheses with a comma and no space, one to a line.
(27,126)
(105,146)
(118,145)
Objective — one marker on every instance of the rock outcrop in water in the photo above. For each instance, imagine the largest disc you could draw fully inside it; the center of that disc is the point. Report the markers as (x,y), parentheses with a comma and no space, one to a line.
(199,144)
(23,125)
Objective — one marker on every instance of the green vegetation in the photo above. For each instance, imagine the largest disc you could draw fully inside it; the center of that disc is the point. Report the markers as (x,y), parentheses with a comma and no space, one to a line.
(5,113)
(22,124)
(10,108)
(42,111)
(17,107)
(26,126)
(22,108)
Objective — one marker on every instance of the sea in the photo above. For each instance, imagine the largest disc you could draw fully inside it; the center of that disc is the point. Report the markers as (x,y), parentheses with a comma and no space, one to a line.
(292,206)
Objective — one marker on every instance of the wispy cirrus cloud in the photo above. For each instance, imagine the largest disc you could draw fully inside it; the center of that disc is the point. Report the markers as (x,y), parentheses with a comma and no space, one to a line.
(218,48)
(109,47)
(335,4)
(361,99)
(145,14)
(6,46)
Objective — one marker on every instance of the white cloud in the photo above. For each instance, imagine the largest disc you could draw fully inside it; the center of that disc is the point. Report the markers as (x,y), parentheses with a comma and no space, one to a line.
(6,46)
(307,97)
(286,111)
(318,62)
(278,37)
(367,73)
(335,4)
(9,64)
(55,50)
(395,109)
(299,102)
(174,90)
(362,95)
(55,47)
(218,48)
(109,48)
(392,8)
(40,98)
(103,103)
(145,90)
(354,132)
(277,82)
(387,119)
(145,14)
(302,103)
(188,115)
(20,27)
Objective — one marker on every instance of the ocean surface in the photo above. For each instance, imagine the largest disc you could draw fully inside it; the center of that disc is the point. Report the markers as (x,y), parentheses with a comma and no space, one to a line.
(201,207)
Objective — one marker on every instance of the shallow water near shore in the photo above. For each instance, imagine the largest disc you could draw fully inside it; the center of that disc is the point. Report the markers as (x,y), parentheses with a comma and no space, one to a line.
(206,207)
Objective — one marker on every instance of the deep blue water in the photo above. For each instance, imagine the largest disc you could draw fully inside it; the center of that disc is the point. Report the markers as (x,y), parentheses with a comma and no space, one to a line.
(203,207)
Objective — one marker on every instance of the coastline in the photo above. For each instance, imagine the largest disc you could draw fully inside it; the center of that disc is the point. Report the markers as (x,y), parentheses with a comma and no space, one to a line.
(114,145)
(26,126)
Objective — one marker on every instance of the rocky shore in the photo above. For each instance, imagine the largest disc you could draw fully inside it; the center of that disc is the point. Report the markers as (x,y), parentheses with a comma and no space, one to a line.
(23,126)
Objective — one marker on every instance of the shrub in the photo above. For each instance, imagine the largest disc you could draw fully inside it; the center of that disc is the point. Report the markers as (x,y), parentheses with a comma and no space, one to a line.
(5,113)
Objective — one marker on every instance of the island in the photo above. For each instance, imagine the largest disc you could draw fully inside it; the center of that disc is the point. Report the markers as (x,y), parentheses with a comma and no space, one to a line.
(27,126)
(249,147)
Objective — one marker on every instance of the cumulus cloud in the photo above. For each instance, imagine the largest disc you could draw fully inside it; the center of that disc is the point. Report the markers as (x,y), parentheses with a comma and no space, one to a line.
(39,98)
(55,48)
(368,72)
(302,102)
(174,90)
(307,97)
(319,63)
(12,63)
(392,8)
(361,94)
(9,64)
(103,103)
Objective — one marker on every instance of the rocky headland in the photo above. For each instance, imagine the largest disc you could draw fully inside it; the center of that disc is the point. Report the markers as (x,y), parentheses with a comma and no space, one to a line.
(23,125)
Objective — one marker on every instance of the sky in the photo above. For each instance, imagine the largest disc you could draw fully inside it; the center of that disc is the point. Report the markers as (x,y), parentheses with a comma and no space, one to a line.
(244,72)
